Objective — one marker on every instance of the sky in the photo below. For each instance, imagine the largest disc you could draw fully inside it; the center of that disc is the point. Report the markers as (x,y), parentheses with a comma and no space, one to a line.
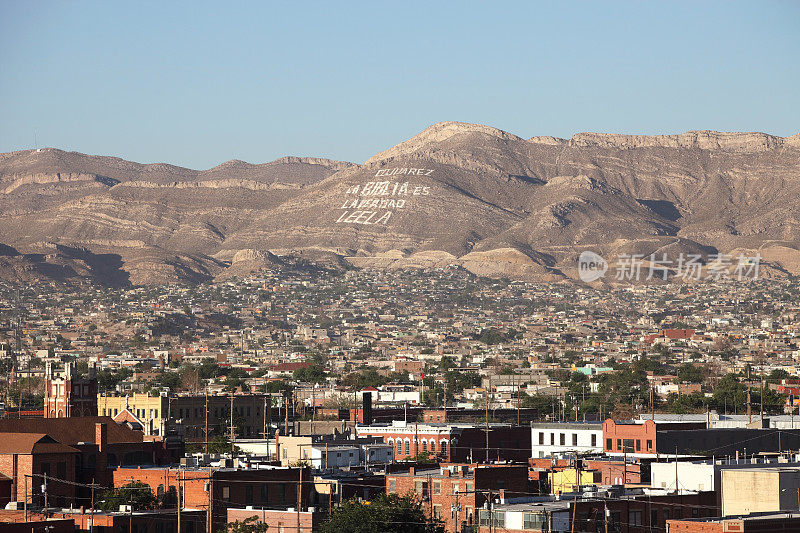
(198,83)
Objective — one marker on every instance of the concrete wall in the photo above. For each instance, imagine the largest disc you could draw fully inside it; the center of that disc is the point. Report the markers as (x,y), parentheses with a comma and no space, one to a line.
(747,491)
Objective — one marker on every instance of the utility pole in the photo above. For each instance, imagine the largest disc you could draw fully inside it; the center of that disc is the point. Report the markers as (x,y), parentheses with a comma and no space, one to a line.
(180,494)
(233,436)
(518,397)
(91,523)
(489,385)
(749,412)
(44,490)
(299,495)
(209,512)
(206,429)
(130,513)
(25,497)
(762,394)
(286,414)
(652,404)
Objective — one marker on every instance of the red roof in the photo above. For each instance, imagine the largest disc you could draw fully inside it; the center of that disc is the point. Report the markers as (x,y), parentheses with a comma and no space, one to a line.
(71,431)
(31,443)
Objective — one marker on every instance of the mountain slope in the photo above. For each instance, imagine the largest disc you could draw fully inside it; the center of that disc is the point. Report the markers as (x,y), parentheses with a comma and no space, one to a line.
(456,193)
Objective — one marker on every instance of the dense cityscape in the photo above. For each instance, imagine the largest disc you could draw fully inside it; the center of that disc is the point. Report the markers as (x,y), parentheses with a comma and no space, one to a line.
(308,399)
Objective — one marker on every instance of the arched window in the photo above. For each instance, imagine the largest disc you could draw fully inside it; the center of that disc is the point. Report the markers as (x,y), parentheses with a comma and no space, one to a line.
(408,447)
(399,446)
(443,446)
(433,445)
(424,445)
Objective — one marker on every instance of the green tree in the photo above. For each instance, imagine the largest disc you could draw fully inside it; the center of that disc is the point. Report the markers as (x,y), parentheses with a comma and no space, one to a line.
(388,513)
(135,493)
(248,525)
(311,374)
(690,373)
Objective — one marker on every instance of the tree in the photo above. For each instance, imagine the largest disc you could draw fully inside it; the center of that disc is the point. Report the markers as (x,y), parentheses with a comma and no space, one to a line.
(135,493)
(690,373)
(311,374)
(248,525)
(388,513)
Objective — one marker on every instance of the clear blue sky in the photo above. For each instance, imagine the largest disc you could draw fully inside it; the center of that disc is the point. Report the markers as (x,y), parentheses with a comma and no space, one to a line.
(199,83)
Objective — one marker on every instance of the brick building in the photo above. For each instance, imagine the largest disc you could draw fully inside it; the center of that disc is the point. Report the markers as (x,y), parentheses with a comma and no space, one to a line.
(191,412)
(96,442)
(279,519)
(33,461)
(620,513)
(756,523)
(648,438)
(454,443)
(452,493)
(68,395)
(271,488)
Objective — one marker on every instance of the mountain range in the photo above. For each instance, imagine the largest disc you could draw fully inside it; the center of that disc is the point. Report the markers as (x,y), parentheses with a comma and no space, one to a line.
(460,194)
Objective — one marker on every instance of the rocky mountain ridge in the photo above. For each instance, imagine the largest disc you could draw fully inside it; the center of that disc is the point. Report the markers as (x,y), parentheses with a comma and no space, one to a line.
(455,194)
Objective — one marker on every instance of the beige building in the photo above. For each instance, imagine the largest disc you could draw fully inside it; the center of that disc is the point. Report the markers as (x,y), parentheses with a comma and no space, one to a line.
(754,490)
(190,414)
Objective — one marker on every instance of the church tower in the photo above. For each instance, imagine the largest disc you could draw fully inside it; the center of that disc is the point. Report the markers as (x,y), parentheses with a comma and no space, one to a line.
(67,395)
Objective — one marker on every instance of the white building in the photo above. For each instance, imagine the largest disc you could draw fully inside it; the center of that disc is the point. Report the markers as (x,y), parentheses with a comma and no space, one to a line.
(705,475)
(553,439)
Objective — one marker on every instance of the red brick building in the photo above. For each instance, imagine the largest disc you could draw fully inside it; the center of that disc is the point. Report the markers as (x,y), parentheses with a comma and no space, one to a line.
(453,492)
(34,461)
(67,395)
(453,443)
(96,442)
(279,519)
(759,523)
(639,437)
(271,488)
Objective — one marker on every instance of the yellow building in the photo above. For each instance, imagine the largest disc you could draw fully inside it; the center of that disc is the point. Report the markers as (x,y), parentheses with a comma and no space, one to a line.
(567,480)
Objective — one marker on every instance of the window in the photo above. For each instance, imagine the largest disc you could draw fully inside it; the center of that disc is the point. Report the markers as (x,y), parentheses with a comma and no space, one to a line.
(634,518)
(437,511)
(552,439)
(470,514)
(408,447)
(424,445)
(638,445)
(561,439)
(437,487)
(498,518)
(399,447)
(418,488)
(444,446)
(695,512)
(265,492)
(574,439)
(608,444)
(248,493)
(541,438)
(533,521)
(649,445)
(594,440)
(653,518)
(392,485)
(666,514)
(456,488)
(226,493)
